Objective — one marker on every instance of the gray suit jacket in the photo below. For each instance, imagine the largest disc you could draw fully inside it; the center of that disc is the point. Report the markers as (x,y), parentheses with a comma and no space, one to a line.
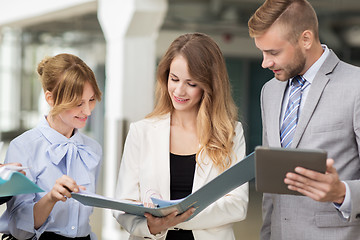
(330,120)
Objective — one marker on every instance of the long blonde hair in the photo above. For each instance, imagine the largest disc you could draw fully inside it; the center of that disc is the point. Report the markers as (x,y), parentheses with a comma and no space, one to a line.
(65,75)
(217,113)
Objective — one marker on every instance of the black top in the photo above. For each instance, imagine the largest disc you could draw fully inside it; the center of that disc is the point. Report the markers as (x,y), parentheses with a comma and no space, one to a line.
(4,199)
(182,170)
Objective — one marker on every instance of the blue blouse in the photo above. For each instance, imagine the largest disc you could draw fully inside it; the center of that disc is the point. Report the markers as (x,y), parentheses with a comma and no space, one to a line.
(49,154)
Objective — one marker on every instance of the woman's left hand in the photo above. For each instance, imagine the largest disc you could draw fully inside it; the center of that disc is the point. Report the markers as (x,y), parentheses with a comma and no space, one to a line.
(158,224)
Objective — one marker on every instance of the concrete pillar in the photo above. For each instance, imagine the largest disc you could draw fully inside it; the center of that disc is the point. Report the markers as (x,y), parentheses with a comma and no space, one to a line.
(10,73)
(130,28)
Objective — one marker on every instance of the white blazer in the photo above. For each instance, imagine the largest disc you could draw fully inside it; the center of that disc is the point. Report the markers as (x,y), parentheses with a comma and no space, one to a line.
(146,167)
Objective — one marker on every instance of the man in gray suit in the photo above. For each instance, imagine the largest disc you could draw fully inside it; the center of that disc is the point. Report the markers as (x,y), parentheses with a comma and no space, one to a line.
(328,117)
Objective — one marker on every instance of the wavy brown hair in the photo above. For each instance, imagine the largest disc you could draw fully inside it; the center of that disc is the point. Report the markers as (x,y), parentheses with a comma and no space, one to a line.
(217,113)
(65,75)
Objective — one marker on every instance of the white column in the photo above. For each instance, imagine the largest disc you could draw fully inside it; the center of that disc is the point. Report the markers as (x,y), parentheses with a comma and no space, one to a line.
(10,73)
(130,28)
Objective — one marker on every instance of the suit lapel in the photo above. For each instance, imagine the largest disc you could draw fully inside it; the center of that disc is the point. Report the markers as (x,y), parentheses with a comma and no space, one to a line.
(275,103)
(161,144)
(160,141)
(160,136)
(202,173)
(312,100)
(317,88)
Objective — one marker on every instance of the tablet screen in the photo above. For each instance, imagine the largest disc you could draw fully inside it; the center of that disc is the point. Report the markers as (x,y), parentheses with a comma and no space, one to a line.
(272,164)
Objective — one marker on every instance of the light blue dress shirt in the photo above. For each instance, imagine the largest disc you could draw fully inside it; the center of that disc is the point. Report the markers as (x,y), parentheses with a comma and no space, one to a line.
(50,155)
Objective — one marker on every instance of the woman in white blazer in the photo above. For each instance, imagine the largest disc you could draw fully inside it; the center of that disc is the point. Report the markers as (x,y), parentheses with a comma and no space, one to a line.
(191,137)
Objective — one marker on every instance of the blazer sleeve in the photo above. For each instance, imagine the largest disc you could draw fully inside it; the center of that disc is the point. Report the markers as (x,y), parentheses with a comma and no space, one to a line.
(230,208)
(264,129)
(267,204)
(128,185)
(354,185)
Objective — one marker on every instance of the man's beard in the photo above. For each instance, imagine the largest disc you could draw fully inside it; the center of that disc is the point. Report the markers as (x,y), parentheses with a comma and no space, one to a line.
(294,68)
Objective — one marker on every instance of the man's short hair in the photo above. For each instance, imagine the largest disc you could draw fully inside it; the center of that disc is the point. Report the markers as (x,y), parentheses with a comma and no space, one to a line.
(295,16)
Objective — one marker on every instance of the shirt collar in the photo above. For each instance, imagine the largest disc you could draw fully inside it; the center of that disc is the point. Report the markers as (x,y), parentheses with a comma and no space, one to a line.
(54,136)
(310,74)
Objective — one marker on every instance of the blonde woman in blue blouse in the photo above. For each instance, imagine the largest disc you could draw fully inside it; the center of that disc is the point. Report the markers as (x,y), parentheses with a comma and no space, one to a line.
(61,159)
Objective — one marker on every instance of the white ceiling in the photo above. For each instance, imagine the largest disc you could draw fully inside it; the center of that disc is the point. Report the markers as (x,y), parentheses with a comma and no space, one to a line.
(339,19)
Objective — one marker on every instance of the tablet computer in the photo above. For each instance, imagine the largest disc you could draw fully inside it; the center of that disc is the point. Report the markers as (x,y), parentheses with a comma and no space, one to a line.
(272,164)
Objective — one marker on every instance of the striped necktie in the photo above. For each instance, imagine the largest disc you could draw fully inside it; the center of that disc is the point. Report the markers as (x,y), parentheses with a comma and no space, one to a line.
(288,126)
